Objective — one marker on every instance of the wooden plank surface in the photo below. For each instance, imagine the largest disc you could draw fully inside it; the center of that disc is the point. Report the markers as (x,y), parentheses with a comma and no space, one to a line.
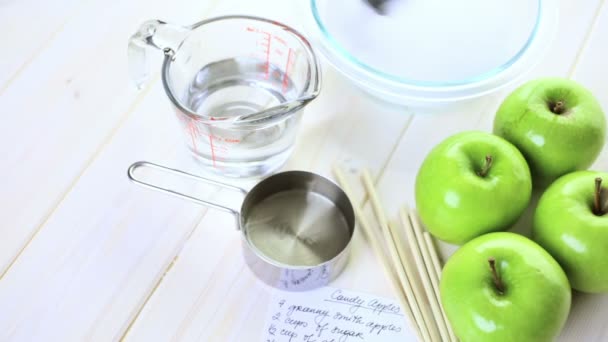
(86,255)
(87,272)
(57,137)
(64,106)
(40,22)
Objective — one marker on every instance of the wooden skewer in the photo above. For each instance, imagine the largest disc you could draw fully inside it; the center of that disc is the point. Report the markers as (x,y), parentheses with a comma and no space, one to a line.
(424,252)
(378,250)
(428,239)
(419,294)
(434,272)
(414,297)
(430,245)
(426,279)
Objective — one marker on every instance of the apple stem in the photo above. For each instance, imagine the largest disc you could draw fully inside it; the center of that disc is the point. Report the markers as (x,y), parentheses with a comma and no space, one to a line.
(558,107)
(497,281)
(597,200)
(486,167)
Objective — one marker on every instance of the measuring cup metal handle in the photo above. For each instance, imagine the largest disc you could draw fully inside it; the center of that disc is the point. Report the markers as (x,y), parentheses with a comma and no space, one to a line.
(144,164)
(152,34)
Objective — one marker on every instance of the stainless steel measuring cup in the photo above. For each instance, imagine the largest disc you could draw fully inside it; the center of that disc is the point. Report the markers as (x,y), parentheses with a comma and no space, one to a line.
(238,85)
(296,225)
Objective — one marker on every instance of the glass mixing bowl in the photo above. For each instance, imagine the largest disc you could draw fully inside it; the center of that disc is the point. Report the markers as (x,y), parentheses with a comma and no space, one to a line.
(433,52)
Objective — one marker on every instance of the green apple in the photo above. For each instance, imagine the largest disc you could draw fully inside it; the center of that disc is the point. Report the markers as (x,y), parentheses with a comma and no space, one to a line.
(556,123)
(504,287)
(470,184)
(571,223)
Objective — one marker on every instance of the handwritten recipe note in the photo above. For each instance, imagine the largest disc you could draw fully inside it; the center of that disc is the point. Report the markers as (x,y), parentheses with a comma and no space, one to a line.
(334,315)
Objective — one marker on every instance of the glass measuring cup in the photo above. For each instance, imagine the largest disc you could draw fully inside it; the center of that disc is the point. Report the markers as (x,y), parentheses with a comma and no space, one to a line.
(238,85)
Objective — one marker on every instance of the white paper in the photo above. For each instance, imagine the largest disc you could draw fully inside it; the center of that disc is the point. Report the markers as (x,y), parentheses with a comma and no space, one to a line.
(334,315)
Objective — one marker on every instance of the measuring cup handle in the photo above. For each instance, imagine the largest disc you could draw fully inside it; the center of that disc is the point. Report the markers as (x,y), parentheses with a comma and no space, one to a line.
(152,34)
(144,164)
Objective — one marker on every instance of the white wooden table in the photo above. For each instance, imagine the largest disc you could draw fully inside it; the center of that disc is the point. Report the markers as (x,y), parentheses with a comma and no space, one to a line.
(87,255)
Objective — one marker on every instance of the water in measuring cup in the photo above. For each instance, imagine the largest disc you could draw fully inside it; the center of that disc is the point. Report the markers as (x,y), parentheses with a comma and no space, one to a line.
(235,87)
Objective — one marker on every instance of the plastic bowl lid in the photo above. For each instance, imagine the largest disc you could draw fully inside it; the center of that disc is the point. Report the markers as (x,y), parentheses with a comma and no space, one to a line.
(434,50)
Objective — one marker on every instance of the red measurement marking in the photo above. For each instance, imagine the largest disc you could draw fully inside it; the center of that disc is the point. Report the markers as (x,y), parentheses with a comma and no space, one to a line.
(279,39)
(267,39)
(212,150)
(287,65)
(193,130)
(211,145)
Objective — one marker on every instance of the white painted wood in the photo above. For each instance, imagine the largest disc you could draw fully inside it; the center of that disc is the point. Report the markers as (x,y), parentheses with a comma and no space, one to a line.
(107,244)
(62,108)
(27,27)
(45,144)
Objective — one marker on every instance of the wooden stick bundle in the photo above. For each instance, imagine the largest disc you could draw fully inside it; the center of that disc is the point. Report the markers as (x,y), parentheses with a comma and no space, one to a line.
(403,296)
(429,276)
(434,256)
(436,265)
(435,323)
(392,242)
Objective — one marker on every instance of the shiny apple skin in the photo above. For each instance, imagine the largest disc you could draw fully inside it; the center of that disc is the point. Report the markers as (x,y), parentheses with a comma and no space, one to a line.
(552,144)
(565,225)
(455,203)
(537,297)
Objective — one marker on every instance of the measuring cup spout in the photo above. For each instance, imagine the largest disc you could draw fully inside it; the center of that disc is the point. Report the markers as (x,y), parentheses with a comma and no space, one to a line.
(152,34)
